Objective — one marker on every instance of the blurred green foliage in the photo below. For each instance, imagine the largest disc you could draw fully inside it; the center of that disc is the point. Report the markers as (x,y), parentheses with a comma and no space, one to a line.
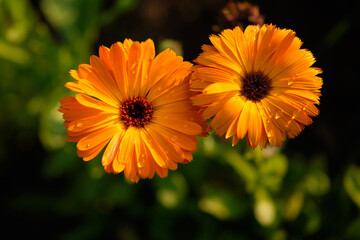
(225,193)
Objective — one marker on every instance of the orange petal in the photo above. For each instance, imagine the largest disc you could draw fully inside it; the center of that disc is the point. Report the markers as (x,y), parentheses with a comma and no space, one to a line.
(111,150)
(95,138)
(184,126)
(91,153)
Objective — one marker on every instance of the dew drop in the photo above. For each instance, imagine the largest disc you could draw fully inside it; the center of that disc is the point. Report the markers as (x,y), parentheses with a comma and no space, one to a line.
(288,124)
(80,124)
(270,134)
(173,138)
(88,145)
(291,82)
(296,114)
(277,116)
(141,162)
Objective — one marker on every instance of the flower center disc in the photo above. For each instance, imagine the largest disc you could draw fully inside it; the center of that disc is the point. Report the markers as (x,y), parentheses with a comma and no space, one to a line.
(136,111)
(255,86)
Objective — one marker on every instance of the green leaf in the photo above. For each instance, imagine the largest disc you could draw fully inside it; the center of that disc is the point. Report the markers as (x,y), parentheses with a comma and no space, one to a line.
(264,208)
(352,183)
(52,132)
(353,230)
(222,204)
(273,170)
(294,205)
(243,168)
(171,190)
(118,8)
(317,183)
(174,45)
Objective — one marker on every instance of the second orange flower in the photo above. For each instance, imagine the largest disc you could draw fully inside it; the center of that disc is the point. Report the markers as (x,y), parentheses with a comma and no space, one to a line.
(258,83)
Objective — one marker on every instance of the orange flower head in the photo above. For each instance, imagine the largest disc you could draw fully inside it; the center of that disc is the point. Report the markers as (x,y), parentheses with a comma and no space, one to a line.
(135,105)
(258,83)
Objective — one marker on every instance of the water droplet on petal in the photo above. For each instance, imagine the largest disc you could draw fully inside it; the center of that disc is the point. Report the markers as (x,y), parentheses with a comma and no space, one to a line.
(173,138)
(141,163)
(270,134)
(80,124)
(277,116)
(88,145)
(296,114)
(291,82)
(288,124)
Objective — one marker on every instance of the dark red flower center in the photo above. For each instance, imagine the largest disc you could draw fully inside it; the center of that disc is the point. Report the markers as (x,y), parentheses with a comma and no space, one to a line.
(255,86)
(136,112)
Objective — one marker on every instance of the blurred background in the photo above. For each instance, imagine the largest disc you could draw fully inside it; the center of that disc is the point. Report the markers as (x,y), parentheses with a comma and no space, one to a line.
(307,189)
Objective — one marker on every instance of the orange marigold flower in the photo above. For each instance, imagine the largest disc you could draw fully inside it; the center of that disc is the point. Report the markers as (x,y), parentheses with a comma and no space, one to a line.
(257,83)
(138,105)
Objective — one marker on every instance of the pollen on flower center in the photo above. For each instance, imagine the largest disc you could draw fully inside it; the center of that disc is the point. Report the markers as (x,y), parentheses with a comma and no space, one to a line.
(255,86)
(136,112)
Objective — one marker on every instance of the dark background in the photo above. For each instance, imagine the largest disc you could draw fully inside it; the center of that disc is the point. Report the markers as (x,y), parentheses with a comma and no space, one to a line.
(49,193)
